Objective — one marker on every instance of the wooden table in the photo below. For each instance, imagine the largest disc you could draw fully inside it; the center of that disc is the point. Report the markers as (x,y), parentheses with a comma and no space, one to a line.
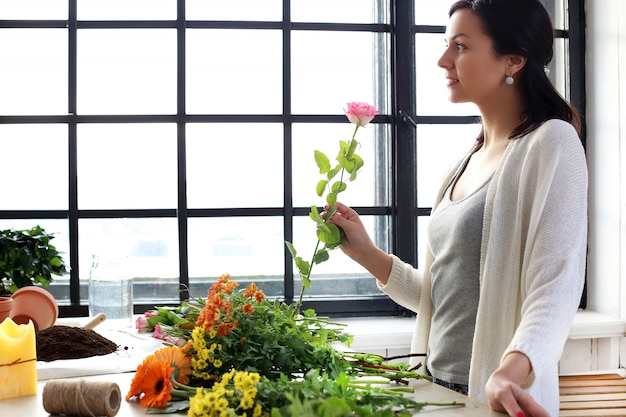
(32,406)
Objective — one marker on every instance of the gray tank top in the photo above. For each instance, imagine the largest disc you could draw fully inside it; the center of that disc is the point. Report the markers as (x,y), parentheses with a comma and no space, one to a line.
(454,235)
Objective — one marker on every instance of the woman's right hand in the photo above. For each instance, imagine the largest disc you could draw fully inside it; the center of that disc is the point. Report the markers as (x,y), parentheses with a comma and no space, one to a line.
(358,245)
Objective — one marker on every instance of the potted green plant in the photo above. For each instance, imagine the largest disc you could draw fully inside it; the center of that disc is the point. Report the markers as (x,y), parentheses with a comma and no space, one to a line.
(27,258)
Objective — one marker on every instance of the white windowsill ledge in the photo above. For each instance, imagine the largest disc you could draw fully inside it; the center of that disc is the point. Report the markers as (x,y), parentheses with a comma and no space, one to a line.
(387,332)
(592,325)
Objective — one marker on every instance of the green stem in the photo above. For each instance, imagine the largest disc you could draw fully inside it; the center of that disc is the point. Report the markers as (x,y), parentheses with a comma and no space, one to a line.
(308,277)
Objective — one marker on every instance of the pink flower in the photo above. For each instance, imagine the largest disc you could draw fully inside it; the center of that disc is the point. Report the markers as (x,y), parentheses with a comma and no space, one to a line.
(176,341)
(360,113)
(161,334)
(158,332)
(142,325)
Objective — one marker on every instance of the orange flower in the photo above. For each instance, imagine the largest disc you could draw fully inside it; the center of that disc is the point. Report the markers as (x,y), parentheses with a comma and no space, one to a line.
(153,380)
(248,309)
(250,290)
(156,385)
(135,385)
(177,360)
(223,329)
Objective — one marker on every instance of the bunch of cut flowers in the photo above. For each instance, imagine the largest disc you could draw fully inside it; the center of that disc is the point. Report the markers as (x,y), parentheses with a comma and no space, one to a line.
(237,353)
(247,355)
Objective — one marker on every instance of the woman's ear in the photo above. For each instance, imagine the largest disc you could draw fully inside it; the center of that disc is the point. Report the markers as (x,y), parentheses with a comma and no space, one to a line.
(515,63)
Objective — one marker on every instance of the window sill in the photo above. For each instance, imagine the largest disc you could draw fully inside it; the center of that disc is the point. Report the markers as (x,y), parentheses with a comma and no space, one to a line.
(375,333)
(593,325)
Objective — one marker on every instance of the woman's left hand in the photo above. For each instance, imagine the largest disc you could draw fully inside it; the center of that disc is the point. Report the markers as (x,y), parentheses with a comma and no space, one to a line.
(504,391)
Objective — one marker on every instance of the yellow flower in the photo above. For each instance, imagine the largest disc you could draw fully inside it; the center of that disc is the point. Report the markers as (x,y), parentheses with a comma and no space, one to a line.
(246,402)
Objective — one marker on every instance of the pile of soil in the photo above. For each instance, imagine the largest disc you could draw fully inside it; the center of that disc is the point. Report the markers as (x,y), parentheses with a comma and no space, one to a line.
(65,342)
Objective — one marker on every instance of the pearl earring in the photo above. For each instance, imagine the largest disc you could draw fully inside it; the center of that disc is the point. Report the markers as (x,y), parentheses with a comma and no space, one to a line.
(509,80)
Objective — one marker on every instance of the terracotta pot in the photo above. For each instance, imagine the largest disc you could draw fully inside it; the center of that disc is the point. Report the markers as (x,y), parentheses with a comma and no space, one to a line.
(36,304)
(6,303)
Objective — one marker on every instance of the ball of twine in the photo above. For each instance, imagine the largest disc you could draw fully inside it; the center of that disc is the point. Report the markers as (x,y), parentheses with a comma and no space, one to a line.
(82,398)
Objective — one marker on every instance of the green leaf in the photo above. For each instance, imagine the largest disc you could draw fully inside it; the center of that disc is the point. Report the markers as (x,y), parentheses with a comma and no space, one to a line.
(315,215)
(291,248)
(321,256)
(321,186)
(358,163)
(331,174)
(333,236)
(303,267)
(172,407)
(347,164)
(157,319)
(338,187)
(322,161)
(343,148)
(331,199)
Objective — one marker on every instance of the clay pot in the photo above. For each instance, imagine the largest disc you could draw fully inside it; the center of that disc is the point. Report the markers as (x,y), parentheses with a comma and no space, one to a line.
(35,304)
(6,304)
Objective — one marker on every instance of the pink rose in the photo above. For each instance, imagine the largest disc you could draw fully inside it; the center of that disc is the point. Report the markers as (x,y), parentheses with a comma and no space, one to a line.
(360,113)
(161,334)
(158,332)
(176,341)
(142,325)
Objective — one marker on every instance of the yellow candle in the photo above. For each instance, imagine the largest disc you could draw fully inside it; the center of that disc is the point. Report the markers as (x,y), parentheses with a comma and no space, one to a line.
(18,359)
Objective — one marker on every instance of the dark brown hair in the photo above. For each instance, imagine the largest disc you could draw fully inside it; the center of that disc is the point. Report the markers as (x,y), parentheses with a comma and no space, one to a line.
(524,27)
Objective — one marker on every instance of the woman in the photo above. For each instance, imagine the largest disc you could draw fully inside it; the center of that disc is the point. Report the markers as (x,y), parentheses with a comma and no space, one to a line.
(507,238)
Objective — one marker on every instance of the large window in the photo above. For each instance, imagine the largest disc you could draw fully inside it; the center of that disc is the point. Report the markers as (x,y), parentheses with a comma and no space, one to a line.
(181,134)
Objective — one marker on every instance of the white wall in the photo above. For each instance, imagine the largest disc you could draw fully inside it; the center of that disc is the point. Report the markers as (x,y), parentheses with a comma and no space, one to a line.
(606,133)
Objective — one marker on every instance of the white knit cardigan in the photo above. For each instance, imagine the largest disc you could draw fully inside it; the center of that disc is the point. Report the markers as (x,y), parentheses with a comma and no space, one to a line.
(532,262)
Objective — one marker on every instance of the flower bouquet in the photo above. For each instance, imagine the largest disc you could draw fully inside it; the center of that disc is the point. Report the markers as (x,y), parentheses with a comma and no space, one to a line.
(237,353)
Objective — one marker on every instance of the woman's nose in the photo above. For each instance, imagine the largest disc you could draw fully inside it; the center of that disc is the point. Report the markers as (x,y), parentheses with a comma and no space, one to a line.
(443,61)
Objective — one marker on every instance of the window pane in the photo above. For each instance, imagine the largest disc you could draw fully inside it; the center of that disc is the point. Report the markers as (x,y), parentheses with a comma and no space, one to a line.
(33,73)
(33,10)
(430,82)
(126,9)
(428,12)
(235,165)
(234,10)
(439,147)
(60,286)
(223,64)
(35,167)
(340,11)
(556,8)
(126,71)
(434,13)
(334,67)
(127,166)
(150,244)
(559,67)
(339,276)
(239,246)
(307,138)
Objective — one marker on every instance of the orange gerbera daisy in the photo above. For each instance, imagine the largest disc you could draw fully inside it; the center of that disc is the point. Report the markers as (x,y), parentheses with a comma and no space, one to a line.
(157,385)
(177,360)
(135,385)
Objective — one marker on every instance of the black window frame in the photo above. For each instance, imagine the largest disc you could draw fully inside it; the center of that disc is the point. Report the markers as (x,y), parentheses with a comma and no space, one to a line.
(401,118)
